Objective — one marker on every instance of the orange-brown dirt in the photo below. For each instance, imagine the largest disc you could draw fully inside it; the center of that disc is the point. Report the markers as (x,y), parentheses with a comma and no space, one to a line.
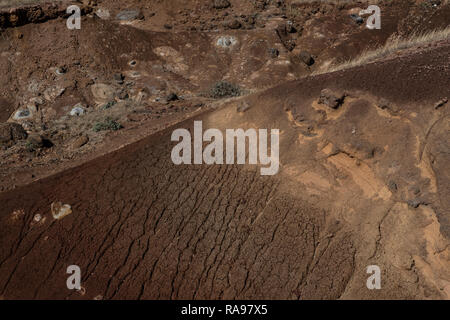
(364,184)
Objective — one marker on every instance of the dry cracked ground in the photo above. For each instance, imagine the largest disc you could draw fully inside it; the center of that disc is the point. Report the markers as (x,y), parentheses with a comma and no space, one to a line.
(87,178)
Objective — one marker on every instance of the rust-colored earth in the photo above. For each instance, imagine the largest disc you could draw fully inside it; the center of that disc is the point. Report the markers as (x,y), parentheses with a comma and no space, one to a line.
(362,183)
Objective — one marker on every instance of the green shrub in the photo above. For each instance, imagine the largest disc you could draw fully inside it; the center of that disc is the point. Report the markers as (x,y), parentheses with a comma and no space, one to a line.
(108,124)
(30,146)
(108,105)
(223,89)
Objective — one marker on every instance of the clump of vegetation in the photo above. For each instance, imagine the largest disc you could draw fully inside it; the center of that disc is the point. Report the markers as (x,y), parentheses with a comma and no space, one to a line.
(36,142)
(30,146)
(394,44)
(108,105)
(223,89)
(108,124)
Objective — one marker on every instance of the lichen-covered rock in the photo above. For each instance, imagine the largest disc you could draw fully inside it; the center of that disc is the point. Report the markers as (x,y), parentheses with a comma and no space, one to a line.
(226,41)
(128,15)
(22,114)
(59,210)
(103,13)
(77,110)
(102,93)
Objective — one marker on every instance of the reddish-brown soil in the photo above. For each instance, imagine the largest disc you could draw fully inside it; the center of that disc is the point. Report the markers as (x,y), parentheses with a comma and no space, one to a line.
(365,184)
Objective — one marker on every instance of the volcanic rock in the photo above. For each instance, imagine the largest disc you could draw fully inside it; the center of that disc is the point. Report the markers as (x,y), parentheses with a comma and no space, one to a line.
(331,99)
(307,58)
(80,141)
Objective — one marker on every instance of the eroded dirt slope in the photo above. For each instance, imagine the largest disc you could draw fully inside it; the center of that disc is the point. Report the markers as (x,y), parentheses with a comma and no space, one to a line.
(362,184)
(129,58)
